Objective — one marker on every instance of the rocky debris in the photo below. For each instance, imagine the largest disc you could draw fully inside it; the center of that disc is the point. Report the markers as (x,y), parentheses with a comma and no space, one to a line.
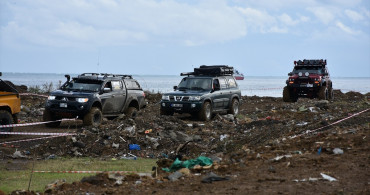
(258,137)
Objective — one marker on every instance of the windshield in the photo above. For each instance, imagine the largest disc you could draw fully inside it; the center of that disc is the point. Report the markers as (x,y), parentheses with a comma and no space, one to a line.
(195,84)
(313,70)
(83,85)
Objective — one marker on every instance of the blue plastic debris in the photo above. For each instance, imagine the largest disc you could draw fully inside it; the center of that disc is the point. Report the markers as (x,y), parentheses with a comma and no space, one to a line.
(133,147)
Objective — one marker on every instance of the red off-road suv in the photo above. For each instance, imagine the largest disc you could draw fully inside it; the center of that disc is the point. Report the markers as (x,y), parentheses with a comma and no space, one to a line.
(309,78)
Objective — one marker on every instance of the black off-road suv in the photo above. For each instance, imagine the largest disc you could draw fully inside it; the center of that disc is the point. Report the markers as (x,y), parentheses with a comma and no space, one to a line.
(309,78)
(89,96)
(207,90)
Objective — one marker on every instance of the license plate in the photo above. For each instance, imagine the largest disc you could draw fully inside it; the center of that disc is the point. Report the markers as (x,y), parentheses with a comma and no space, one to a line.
(63,105)
(177,105)
(309,85)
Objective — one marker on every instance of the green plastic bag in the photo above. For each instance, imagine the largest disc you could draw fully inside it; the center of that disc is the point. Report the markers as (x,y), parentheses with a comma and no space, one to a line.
(178,164)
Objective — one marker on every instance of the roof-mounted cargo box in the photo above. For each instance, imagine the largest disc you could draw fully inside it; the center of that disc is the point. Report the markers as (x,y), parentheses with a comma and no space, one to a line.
(214,70)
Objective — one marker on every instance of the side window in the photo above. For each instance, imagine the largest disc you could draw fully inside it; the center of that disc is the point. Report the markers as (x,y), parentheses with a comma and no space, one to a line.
(232,83)
(216,84)
(223,84)
(137,85)
(116,85)
(108,85)
(122,85)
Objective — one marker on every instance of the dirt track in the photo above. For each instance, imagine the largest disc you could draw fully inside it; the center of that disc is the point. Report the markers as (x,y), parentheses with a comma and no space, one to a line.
(259,134)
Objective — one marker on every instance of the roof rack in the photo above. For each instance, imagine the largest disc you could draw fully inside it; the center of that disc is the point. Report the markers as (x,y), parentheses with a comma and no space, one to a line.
(214,70)
(97,76)
(305,62)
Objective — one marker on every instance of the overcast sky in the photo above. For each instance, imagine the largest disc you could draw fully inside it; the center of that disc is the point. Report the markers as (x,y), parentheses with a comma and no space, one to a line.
(166,37)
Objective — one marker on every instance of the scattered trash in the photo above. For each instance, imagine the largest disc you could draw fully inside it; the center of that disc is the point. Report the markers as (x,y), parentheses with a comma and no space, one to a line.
(319,151)
(18,154)
(133,147)
(338,151)
(211,177)
(175,176)
(327,177)
(302,109)
(222,137)
(281,157)
(302,124)
(118,177)
(148,131)
(114,145)
(130,130)
(178,164)
(52,156)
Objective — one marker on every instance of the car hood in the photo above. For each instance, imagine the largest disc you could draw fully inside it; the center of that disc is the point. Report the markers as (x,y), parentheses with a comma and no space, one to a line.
(71,93)
(188,93)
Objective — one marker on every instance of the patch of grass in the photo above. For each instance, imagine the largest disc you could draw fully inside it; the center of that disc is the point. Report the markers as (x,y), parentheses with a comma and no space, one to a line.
(11,179)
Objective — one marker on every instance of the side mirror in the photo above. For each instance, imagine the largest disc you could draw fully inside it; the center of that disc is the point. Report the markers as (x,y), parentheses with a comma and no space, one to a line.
(1,74)
(174,88)
(326,74)
(107,90)
(290,74)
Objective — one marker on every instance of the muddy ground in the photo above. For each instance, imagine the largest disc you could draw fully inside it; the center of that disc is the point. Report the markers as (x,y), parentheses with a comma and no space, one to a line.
(253,153)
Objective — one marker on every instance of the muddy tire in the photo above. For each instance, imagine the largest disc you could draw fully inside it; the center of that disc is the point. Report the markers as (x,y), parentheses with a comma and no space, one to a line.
(331,94)
(93,118)
(234,107)
(165,113)
(5,119)
(286,94)
(132,112)
(323,93)
(205,113)
(49,116)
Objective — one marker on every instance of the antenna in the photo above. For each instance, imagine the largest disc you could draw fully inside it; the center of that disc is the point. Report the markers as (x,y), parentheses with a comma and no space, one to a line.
(98,61)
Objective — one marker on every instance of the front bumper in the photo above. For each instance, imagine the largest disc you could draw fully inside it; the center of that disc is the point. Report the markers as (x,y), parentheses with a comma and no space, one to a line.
(181,107)
(67,109)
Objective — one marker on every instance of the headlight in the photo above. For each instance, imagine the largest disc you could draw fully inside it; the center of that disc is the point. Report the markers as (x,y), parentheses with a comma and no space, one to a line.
(166,97)
(51,97)
(82,100)
(194,98)
(306,74)
(300,74)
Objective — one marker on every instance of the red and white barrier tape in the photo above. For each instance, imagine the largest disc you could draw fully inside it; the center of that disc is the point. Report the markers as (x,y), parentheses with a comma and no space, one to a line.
(312,131)
(84,171)
(30,124)
(33,94)
(277,88)
(28,140)
(31,133)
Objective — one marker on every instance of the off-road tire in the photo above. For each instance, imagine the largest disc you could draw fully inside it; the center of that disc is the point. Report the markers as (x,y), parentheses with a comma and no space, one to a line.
(49,116)
(234,107)
(323,93)
(331,94)
(5,119)
(165,113)
(287,96)
(132,112)
(205,113)
(93,118)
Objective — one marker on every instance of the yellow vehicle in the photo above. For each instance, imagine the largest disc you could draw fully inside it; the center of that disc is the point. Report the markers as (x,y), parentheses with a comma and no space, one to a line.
(10,104)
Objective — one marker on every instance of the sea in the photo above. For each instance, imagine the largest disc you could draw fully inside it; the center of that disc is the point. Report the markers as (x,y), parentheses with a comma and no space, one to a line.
(271,86)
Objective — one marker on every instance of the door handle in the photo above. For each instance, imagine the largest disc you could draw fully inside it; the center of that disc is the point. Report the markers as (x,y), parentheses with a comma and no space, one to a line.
(113,96)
